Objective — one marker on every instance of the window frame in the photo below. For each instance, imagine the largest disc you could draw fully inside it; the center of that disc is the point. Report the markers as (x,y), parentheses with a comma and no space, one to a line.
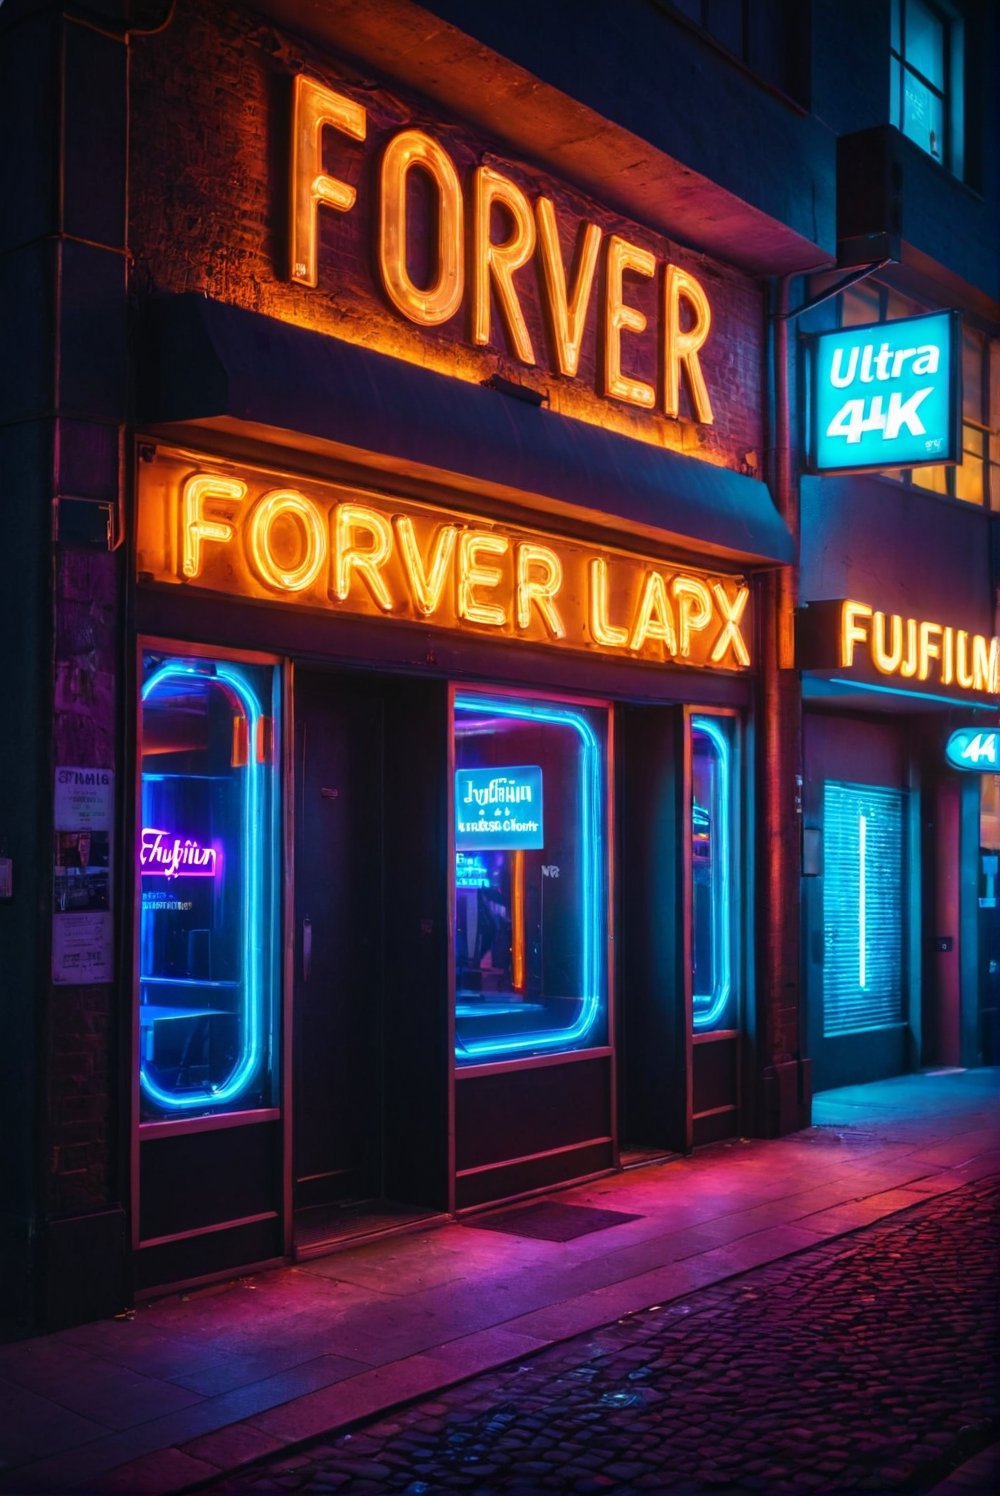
(274,1005)
(704,720)
(951,94)
(534,1055)
(888,305)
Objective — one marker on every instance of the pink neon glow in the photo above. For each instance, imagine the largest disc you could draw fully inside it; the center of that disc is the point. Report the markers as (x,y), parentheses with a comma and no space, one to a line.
(162,853)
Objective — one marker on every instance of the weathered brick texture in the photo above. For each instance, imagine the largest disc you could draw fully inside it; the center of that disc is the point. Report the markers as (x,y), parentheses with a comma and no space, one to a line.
(208,202)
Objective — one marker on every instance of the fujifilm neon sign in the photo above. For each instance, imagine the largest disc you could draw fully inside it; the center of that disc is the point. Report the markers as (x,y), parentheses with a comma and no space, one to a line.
(887,395)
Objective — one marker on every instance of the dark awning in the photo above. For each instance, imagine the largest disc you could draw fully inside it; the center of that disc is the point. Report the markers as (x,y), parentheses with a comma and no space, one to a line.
(226,369)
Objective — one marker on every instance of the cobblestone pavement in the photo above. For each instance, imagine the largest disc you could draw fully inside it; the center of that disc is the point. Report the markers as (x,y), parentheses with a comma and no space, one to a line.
(869,1363)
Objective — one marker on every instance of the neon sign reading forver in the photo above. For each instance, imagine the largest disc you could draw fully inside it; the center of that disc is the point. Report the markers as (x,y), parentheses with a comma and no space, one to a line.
(472,268)
(160,852)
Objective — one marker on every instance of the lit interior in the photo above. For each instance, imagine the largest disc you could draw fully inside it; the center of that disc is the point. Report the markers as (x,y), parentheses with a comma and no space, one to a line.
(530,972)
(711,859)
(204,880)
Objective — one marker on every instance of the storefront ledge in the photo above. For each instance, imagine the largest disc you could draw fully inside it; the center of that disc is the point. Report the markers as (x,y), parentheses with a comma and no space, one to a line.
(228,370)
(82,1269)
(786,1098)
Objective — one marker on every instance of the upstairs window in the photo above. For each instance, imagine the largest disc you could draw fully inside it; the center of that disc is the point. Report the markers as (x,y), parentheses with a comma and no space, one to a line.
(976,479)
(926,79)
(770,38)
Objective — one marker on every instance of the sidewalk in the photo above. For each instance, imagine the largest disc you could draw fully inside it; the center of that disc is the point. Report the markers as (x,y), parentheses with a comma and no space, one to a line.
(194,1385)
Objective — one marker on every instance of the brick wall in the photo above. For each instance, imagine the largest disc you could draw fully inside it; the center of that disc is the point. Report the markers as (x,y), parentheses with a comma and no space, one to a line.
(211,100)
(80,1083)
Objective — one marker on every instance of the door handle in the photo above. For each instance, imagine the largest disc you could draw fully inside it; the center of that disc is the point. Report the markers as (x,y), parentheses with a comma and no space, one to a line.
(307,948)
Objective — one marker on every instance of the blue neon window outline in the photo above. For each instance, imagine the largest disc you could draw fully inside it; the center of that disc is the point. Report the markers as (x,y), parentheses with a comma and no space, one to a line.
(716,1000)
(251,896)
(591,822)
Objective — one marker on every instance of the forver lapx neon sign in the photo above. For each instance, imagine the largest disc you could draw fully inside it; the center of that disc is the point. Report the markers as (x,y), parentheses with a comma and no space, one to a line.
(321,546)
(472,269)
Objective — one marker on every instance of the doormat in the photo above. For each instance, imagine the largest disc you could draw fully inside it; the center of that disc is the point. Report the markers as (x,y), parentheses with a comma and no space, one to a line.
(549,1222)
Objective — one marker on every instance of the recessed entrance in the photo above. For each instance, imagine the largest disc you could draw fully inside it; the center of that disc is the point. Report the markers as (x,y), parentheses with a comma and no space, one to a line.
(369,1029)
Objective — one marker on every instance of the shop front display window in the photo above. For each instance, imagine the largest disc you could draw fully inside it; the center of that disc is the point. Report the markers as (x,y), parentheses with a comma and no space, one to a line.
(207,873)
(530,877)
(712,899)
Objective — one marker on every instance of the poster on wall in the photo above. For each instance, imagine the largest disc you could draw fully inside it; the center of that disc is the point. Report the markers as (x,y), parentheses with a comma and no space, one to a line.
(82,945)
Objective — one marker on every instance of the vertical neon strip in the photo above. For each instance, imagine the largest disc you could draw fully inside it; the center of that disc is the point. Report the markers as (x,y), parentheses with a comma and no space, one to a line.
(251,898)
(592,863)
(862,894)
(721,811)
(517,922)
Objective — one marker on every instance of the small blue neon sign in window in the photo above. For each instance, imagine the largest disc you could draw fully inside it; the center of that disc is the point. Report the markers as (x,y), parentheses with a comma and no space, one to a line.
(207,883)
(711,874)
(499,808)
(974,748)
(887,395)
(530,898)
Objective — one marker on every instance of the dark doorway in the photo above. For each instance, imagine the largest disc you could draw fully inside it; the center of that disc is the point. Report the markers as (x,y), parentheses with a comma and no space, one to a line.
(653,1010)
(369,1082)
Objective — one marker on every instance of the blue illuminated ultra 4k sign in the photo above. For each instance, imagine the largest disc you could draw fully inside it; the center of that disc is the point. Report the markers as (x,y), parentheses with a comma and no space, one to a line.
(975,748)
(887,395)
(498,808)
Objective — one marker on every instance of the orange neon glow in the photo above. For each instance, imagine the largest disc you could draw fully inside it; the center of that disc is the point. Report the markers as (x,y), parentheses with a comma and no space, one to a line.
(602,630)
(567,310)
(413,150)
(331,548)
(472,574)
(353,522)
(619,318)
(694,610)
(427,583)
(731,637)
(517,946)
(475,230)
(920,649)
(539,591)
(654,618)
(496,263)
(314,106)
(682,347)
(285,504)
(195,525)
(887,658)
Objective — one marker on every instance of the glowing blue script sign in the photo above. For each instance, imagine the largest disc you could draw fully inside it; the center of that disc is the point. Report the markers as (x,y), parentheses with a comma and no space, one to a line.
(974,748)
(887,395)
(498,808)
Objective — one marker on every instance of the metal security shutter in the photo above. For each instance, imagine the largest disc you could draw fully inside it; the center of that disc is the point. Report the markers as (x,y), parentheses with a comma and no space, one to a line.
(862,907)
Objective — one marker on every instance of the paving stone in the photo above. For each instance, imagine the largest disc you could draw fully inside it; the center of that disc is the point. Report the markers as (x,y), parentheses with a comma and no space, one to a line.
(851,1366)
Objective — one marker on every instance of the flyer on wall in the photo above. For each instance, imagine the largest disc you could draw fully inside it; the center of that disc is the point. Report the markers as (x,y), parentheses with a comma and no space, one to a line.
(82,945)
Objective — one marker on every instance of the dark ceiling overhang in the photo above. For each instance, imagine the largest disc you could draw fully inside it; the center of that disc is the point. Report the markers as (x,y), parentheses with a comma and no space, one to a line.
(213,366)
(617,143)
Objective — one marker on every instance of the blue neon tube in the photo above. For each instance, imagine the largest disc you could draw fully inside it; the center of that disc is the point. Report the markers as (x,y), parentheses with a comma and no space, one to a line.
(251,898)
(591,825)
(715,1001)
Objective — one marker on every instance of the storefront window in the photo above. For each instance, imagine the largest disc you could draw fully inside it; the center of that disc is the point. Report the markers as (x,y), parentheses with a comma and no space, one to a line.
(208,887)
(530,881)
(712,904)
(862,907)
